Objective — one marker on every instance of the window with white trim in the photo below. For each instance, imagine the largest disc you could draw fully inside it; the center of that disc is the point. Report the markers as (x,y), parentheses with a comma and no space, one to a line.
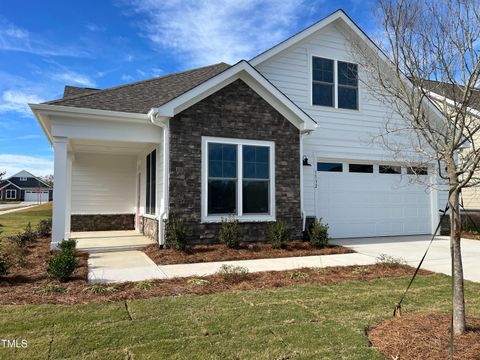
(334,83)
(238,179)
(10,194)
(23,179)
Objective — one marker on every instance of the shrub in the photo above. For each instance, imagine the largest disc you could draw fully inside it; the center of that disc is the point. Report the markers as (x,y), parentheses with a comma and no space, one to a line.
(44,228)
(3,266)
(299,275)
(51,288)
(145,285)
(198,282)
(67,245)
(62,265)
(11,252)
(99,289)
(176,233)
(233,273)
(318,234)
(229,232)
(390,261)
(25,236)
(278,233)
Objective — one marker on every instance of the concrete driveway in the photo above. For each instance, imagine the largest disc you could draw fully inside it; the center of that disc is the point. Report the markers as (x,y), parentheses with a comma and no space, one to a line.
(412,248)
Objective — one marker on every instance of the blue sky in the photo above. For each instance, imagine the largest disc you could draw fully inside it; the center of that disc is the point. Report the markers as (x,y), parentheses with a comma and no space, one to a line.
(47,44)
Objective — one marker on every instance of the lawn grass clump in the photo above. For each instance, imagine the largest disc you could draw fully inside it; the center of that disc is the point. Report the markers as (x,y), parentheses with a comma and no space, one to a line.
(198,282)
(52,288)
(232,273)
(390,261)
(100,289)
(318,234)
(279,234)
(299,275)
(229,232)
(145,285)
(176,233)
(360,270)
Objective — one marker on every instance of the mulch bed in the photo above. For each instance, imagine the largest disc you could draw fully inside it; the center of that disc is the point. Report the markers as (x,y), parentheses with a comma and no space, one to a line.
(220,252)
(425,336)
(27,284)
(472,236)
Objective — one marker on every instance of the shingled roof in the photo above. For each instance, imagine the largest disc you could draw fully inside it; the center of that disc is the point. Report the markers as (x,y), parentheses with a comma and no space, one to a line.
(141,96)
(452,92)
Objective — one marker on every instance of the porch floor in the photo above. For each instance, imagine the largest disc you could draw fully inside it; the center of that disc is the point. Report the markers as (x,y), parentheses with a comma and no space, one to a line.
(106,241)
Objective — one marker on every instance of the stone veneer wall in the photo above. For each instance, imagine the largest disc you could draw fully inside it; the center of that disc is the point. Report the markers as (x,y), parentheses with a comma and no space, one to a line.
(101,222)
(149,227)
(235,111)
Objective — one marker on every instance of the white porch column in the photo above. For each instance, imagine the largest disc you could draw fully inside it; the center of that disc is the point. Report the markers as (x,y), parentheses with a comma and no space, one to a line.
(68,208)
(60,145)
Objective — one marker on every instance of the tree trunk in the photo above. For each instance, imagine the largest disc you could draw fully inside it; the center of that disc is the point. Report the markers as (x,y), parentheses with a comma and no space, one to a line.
(458,297)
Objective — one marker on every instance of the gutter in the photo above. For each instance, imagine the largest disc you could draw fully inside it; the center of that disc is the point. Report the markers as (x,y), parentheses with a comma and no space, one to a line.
(164,123)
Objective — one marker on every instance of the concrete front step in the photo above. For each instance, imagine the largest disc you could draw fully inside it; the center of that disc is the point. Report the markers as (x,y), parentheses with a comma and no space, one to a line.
(110,241)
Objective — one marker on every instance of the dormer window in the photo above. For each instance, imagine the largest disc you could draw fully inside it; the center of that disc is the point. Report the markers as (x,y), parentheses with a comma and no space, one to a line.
(23,179)
(334,83)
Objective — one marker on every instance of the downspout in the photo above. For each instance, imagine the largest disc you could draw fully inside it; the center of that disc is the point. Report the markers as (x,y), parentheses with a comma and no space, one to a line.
(164,123)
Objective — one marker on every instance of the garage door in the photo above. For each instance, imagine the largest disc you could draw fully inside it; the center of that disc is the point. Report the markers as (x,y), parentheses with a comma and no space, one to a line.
(363,200)
(33,196)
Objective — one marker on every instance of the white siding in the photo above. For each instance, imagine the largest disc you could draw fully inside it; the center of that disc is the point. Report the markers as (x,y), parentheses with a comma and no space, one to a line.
(471,197)
(103,184)
(341,134)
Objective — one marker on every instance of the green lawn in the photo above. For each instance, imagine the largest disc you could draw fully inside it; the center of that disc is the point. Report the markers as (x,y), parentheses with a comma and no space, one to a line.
(304,322)
(16,221)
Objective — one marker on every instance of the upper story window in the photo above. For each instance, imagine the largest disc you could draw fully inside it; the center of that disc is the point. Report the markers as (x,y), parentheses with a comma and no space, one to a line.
(238,179)
(151,192)
(323,91)
(23,179)
(347,85)
(334,83)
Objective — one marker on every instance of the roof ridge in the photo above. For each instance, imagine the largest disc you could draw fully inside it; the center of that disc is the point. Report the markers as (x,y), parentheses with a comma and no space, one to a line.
(99,91)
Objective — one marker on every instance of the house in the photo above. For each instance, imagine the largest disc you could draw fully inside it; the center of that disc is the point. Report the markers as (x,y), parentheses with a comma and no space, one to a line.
(284,135)
(24,186)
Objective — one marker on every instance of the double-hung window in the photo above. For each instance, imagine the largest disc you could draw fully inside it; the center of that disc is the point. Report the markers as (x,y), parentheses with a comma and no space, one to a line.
(151,193)
(10,194)
(238,179)
(334,83)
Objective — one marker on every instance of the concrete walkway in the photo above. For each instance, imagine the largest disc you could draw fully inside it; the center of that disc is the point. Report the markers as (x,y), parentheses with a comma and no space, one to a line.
(412,248)
(120,266)
(10,208)
(277,264)
(105,241)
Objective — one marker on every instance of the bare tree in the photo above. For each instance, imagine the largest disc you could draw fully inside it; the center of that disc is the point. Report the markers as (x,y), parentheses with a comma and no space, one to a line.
(427,72)
(2,174)
(48,179)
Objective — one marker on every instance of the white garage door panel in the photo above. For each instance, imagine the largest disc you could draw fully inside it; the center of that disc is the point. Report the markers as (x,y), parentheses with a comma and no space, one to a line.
(357,205)
(33,196)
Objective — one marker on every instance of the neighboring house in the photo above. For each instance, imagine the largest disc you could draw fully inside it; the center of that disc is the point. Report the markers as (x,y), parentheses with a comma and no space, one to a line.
(444,93)
(25,187)
(284,135)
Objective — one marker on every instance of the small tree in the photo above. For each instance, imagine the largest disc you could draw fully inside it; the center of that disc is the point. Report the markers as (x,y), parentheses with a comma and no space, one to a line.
(428,77)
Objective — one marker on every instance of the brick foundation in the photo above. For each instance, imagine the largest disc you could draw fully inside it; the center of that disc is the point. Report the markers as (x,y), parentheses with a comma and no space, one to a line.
(101,222)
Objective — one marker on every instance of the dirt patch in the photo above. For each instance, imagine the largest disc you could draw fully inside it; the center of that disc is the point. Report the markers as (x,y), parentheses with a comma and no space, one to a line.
(220,252)
(471,236)
(425,336)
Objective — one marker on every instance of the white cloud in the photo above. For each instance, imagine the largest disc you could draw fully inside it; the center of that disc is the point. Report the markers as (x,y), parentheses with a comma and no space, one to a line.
(14,38)
(94,27)
(17,101)
(207,32)
(13,163)
(127,78)
(74,78)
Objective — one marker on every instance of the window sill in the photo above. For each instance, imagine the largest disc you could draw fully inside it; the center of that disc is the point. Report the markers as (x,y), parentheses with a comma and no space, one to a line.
(149,216)
(334,108)
(242,219)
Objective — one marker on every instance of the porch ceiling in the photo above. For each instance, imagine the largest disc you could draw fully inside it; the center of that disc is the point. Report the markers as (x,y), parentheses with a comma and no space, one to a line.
(108,147)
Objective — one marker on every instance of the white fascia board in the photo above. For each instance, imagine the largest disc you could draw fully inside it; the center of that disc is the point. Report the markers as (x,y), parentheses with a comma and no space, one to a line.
(451,103)
(45,112)
(242,70)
